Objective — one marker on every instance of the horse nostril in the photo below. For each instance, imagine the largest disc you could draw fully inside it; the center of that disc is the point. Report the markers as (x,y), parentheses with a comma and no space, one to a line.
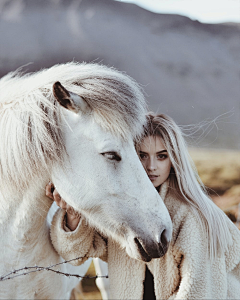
(142,251)
(163,237)
(164,240)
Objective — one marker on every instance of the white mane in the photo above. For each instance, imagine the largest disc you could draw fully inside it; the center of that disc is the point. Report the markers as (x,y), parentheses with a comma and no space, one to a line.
(30,135)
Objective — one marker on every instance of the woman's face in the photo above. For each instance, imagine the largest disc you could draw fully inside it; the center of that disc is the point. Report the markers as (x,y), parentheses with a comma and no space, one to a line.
(155,159)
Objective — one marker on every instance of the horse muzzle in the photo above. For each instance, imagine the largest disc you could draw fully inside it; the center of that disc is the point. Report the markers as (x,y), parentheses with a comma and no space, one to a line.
(146,249)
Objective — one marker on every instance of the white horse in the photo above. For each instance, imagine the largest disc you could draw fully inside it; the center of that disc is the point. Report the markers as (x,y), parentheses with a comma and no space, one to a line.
(79,134)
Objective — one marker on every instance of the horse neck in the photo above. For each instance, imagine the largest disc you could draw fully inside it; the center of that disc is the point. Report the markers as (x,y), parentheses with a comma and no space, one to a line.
(24,215)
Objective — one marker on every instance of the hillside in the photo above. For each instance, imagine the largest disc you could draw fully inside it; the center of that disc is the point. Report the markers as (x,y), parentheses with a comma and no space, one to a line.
(189,70)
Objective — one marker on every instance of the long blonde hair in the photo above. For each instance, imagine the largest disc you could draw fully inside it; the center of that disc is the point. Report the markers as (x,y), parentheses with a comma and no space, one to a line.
(185,182)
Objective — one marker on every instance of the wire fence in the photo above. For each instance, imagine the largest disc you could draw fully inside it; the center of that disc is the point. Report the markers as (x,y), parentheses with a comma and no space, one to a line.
(28,270)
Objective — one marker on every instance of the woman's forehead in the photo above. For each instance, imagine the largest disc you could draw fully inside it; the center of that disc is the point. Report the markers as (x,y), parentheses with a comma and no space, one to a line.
(152,144)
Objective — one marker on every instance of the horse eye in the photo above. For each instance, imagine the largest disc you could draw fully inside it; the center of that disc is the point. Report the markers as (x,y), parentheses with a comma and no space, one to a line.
(112,156)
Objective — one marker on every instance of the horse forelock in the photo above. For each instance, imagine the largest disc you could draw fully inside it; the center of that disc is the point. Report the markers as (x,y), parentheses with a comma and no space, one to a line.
(30,135)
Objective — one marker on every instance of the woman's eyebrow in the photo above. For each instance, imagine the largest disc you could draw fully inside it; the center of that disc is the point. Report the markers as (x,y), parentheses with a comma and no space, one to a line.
(162,151)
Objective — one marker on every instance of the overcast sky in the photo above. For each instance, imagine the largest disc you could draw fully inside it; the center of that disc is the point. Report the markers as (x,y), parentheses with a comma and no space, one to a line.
(207,11)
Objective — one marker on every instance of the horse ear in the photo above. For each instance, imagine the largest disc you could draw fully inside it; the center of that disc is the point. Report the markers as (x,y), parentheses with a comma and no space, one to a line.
(68,99)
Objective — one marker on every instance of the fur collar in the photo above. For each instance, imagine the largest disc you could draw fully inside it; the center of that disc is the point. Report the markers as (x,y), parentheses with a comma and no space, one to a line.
(164,189)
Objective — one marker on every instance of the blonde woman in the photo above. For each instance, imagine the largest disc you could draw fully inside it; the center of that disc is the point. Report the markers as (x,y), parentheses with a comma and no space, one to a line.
(203,258)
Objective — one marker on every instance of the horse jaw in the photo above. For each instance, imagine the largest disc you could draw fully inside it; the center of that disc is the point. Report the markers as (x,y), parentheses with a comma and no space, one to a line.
(116,197)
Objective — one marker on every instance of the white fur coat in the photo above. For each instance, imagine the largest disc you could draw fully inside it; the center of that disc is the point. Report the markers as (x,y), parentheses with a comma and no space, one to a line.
(185,272)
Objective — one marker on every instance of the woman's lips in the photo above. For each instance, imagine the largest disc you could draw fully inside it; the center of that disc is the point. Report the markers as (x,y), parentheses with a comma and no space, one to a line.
(152,177)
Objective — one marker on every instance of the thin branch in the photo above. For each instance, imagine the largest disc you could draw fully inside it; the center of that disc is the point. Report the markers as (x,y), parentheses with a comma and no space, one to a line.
(13,274)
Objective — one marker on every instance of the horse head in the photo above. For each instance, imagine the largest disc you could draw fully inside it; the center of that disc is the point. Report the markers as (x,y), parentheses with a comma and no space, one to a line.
(103,178)
(80,133)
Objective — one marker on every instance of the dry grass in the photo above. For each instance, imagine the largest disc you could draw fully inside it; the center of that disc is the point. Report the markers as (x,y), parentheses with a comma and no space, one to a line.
(92,295)
(218,169)
(220,172)
(87,289)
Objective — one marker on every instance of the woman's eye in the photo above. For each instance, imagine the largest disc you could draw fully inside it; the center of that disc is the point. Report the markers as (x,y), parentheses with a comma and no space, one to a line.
(112,156)
(142,156)
(162,156)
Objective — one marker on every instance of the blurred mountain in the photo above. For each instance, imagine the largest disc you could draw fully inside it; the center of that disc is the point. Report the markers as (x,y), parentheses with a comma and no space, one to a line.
(189,70)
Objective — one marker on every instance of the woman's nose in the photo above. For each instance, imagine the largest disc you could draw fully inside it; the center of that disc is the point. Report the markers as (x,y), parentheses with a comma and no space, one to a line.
(152,164)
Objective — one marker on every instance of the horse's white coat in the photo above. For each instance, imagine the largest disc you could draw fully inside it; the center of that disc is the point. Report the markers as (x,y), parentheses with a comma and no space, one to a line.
(41,141)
